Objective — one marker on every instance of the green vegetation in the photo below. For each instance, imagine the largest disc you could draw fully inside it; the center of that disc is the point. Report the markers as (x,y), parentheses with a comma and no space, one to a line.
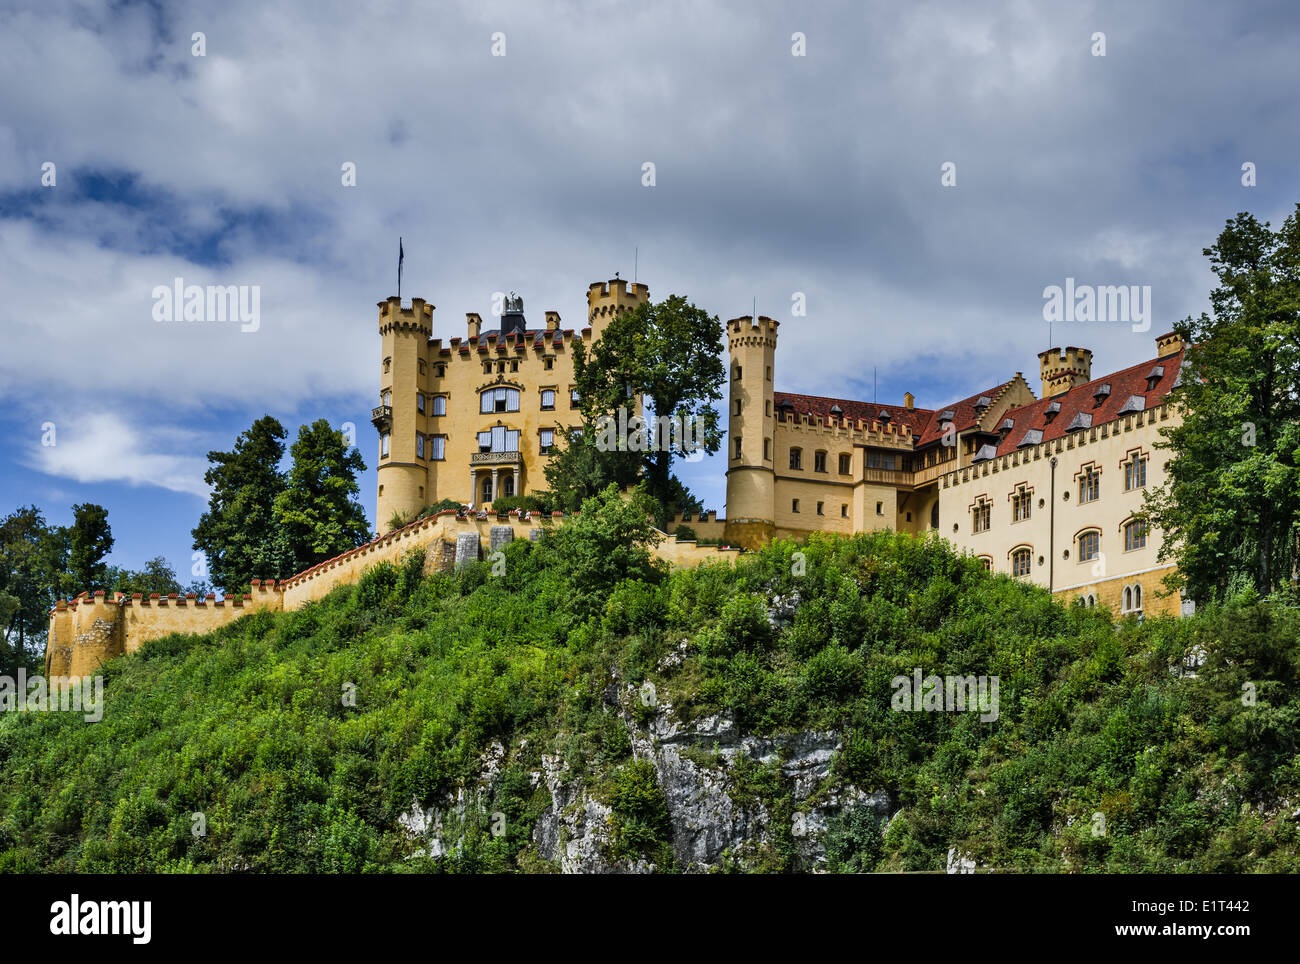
(1230,511)
(251,727)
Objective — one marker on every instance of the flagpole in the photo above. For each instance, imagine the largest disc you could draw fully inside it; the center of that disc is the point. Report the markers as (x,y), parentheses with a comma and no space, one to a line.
(400,255)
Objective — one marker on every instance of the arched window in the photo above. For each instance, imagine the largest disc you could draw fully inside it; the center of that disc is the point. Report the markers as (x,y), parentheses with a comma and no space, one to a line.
(1089,545)
(487,489)
(987,563)
(934,516)
(440,405)
(1135,535)
(499,400)
(1020,562)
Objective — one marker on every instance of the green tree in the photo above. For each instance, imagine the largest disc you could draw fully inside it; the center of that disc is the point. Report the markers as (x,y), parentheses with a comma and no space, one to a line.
(27,583)
(318,511)
(609,541)
(156,577)
(670,355)
(579,470)
(1230,509)
(239,533)
(90,539)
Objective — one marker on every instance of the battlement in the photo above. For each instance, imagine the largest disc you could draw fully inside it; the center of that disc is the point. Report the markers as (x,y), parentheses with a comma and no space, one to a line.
(417,318)
(747,330)
(858,430)
(608,298)
(1063,370)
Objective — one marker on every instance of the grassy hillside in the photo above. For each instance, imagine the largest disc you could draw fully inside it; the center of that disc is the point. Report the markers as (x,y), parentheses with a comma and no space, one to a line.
(250,725)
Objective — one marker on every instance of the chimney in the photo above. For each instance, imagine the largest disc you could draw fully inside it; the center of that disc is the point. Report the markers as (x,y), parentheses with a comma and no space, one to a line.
(1063,370)
(552,320)
(473,322)
(908,399)
(1170,343)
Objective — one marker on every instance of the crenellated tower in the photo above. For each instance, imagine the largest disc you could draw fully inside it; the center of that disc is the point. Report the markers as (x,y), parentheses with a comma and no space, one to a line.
(605,300)
(403,477)
(750,431)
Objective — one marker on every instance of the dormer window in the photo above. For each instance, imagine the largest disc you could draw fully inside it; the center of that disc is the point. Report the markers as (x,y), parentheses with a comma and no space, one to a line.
(836,411)
(884,416)
(947,415)
(1135,403)
(1154,376)
(1032,437)
(1052,411)
(1080,421)
(1101,394)
(982,403)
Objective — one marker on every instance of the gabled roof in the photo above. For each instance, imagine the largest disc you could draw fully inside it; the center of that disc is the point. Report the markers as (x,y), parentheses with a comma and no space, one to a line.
(964,415)
(1128,389)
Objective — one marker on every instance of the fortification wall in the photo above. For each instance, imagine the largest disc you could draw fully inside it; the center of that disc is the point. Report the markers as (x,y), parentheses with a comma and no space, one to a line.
(90,629)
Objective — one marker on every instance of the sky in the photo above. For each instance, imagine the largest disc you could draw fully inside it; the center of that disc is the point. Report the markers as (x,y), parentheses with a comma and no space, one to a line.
(799,157)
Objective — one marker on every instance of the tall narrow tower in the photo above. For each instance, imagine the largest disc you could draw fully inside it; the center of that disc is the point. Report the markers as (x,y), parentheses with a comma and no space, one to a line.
(751,444)
(403,474)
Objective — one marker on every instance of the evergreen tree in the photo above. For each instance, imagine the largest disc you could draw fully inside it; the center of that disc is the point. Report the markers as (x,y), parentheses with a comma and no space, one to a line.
(1230,510)
(89,540)
(239,533)
(27,584)
(318,512)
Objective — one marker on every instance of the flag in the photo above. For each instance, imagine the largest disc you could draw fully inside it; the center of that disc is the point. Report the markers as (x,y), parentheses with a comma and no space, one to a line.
(401,256)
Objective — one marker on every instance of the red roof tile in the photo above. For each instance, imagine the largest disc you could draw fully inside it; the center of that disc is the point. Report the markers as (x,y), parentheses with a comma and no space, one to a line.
(820,408)
(1081,399)
(964,415)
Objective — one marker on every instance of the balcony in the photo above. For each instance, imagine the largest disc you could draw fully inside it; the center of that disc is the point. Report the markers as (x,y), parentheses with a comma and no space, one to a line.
(496,458)
(382,417)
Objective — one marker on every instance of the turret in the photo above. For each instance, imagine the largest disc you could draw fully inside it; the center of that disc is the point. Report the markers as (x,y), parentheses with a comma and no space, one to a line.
(403,474)
(751,425)
(1062,371)
(611,298)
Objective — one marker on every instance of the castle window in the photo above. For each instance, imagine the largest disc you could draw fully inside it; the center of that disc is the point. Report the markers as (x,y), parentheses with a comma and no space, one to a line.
(819,461)
(1020,562)
(1020,505)
(737,407)
(880,508)
(737,455)
(439,370)
(769,373)
(819,508)
(419,403)
(767,408)
(982,517)
(846,464)
(508,486)
(767,450)
(387,398)
(388,365)
(573,398)
(422,366)
(738,371)
(1089,486)
(419,446)
(1135,473)
(499,400)
(548,440)
(794,505)
(878,460)
(934,516)
(548,363)
(548,400)
(487,368)
(499,439)
(501,367)
(514,366)
(1133,598)
(383,446)
(440,405)
(437,447)
(844,510)
(487,489)
(796,458)
(1135,535)
(987,563)
(1089,545)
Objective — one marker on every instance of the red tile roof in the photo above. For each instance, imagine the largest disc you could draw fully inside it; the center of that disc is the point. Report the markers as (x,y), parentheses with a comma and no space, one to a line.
(964,415)
(820,408)
(1123,385)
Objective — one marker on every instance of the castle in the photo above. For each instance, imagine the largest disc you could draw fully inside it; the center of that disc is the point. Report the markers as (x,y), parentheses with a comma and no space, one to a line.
(1043,488)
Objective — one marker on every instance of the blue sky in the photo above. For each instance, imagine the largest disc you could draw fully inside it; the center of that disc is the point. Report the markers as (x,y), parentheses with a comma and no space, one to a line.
(775,174)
